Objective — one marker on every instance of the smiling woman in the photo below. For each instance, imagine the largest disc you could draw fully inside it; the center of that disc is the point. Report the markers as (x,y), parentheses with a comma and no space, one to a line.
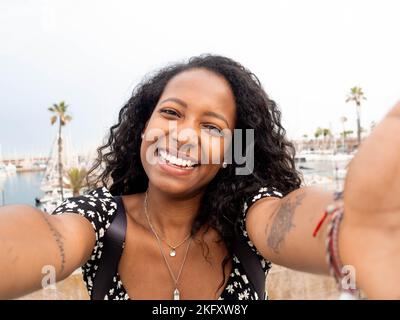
(179,120)
(181,222)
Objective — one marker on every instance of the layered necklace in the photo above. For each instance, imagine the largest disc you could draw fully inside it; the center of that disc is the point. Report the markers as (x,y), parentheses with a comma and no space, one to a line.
(172,253)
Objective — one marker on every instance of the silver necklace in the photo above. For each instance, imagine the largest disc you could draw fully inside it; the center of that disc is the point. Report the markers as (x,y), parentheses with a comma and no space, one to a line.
(176,293)
(172,249)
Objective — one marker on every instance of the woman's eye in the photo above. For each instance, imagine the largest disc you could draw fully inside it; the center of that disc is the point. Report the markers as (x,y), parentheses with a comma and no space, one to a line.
(169,112)
(213,130)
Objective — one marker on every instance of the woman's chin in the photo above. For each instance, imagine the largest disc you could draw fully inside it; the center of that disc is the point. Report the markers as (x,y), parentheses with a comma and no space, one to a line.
(172,188)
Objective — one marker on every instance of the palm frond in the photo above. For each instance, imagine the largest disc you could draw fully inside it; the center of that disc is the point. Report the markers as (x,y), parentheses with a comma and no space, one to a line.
(53,119)
(60,112)
(63,106)
(67,118)
(76,178)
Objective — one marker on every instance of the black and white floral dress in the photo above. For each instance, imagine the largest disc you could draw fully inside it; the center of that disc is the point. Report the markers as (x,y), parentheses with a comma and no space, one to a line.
(99,207)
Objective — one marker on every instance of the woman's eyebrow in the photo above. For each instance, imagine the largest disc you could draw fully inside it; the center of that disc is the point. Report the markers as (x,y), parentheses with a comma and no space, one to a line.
(216,115)
(178,101)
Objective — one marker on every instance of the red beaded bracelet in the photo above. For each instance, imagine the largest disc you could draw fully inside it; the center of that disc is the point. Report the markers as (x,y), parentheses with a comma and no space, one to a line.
(332,247)
(335,213)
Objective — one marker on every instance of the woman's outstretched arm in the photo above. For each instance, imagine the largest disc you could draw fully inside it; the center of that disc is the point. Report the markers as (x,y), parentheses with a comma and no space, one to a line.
(33,244)
(369,234)
(282,228)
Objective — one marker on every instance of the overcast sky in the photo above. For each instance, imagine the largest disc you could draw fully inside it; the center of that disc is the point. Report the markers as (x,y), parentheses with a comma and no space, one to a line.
(307,54)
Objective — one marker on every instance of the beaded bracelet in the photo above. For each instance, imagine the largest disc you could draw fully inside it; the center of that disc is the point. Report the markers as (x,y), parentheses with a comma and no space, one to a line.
(335,213)
(332,246)
(330,210)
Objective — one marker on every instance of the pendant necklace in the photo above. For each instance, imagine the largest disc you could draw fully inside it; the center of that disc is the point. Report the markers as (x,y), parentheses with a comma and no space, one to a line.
(172,249)
(176,293)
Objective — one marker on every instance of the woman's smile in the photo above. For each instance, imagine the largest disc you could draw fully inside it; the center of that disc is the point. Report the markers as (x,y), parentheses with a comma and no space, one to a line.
(179,165)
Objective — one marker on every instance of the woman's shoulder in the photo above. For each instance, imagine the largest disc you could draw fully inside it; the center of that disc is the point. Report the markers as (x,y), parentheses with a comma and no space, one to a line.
(99,198)
(262,192)
(98,206)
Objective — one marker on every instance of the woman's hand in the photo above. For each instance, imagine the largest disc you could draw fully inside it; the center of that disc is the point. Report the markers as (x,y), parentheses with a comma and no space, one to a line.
(369,236)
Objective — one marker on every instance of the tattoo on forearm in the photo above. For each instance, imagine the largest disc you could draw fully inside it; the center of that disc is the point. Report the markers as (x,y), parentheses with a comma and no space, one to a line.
(283,222)
(58,237)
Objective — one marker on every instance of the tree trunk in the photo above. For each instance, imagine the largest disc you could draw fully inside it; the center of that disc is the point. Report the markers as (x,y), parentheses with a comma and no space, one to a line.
(358,125)
(60,163)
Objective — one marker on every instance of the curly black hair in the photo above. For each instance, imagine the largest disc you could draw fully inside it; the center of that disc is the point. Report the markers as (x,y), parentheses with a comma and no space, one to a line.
(221,206)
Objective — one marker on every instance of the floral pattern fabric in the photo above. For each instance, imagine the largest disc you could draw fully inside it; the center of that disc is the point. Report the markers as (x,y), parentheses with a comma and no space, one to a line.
(99,207)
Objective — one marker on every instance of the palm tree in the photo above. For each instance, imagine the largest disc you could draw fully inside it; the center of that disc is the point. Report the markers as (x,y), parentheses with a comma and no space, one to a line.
(347,133)
(357,95)
(326,133)
(76,179)
(318,132)
(60,111)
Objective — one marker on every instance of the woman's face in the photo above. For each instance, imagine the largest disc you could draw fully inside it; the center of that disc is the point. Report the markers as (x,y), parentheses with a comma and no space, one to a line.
(184,140)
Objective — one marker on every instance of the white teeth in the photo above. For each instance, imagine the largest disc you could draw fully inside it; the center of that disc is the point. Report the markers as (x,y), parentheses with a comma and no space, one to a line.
(174,160)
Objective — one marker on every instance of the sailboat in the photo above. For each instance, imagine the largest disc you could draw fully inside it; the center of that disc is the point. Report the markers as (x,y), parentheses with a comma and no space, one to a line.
(3,172)
(50,184)
(6,170)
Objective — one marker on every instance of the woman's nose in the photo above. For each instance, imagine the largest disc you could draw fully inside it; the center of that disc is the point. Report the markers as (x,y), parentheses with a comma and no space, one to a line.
(183,132)
(184,135)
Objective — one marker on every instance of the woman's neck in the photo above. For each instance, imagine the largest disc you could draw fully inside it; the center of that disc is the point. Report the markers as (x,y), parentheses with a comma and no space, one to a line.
(172,216)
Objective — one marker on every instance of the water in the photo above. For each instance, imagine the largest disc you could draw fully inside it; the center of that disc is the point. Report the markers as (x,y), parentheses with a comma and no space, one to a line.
(328,175)
(20,188)
(323,168)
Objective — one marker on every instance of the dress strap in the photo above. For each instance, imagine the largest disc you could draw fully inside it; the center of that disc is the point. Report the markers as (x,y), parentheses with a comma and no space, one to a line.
(251,265)
(113,246)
